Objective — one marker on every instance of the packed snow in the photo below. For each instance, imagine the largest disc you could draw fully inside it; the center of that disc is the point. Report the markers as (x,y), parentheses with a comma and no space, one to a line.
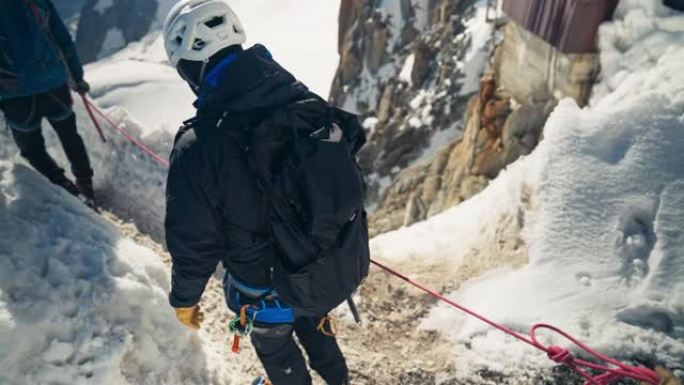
(479,31)
(601,207)
(405,74)
(79,304)
(139,80)
(114,41)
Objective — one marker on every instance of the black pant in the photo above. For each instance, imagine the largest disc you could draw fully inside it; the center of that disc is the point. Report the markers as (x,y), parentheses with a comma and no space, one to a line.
(284,363)
(24,116)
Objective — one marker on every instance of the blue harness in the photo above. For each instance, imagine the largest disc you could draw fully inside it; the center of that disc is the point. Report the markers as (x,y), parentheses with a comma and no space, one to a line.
(264,306)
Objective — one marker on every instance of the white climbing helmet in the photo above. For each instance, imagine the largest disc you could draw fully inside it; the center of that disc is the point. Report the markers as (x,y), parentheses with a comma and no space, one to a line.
(197,29)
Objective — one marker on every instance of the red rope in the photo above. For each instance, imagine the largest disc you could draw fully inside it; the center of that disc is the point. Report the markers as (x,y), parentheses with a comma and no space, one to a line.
(125,133)
(558,354)
(88,108)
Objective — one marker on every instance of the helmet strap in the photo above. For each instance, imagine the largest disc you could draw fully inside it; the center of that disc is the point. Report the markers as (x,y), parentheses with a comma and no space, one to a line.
(205,62)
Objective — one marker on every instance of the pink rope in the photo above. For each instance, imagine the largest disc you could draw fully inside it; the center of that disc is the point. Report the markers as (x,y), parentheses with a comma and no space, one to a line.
(92,117)
(557,354)
(126,134)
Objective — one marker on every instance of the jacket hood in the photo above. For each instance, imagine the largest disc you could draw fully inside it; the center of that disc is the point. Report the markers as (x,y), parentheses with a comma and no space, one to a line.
(248,80)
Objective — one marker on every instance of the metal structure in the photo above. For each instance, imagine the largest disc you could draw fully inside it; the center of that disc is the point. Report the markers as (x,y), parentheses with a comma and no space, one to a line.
(569,25)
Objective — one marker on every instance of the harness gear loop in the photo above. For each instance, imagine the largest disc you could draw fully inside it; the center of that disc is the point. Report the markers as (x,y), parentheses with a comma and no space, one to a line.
(243,316)
(333,326)
(242,326)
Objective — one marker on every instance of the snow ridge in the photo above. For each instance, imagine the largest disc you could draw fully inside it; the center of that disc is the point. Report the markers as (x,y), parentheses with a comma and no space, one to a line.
(78,303)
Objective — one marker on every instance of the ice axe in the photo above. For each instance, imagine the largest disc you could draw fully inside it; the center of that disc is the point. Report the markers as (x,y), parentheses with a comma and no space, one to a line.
(354,310)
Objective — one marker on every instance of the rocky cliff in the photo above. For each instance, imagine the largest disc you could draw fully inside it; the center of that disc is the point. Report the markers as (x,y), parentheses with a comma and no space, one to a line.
(106,26)
(408,67)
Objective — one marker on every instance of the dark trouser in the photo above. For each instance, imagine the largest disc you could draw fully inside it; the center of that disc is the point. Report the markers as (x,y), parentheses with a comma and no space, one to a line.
(284,363)
(24,116)
(274,342)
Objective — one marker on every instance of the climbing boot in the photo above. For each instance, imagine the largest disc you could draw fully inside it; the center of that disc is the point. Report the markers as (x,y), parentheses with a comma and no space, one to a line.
(261,381)
(85,187)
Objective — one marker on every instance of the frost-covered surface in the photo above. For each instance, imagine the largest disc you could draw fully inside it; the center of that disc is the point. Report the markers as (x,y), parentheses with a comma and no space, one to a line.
(604,232)
(139,80)
(79,304)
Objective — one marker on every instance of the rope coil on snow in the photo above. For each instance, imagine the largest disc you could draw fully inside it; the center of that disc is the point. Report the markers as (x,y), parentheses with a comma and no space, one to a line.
(610,374)
(557,354)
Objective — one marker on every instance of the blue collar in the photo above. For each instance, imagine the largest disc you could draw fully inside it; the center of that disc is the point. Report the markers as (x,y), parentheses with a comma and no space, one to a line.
(213,77)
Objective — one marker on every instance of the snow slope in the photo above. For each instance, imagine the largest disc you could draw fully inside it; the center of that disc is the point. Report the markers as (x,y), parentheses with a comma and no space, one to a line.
(139,80)
(81,305)
(601,206)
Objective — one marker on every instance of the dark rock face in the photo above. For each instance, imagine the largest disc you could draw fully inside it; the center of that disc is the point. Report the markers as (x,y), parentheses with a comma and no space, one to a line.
(133,18)
(402,68)
(436,136)
(68,8)
(421,40)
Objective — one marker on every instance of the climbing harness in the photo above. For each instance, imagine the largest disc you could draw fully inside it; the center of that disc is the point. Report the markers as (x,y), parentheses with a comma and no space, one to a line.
(611,370)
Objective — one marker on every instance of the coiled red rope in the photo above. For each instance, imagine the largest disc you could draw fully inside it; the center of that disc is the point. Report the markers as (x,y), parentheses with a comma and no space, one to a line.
(558,354)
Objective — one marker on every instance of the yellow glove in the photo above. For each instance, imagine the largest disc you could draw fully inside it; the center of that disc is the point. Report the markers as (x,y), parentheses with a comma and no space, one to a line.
(667,377)
(191,317)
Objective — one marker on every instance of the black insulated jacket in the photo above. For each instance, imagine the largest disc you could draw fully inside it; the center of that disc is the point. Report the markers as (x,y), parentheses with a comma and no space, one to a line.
(215,208)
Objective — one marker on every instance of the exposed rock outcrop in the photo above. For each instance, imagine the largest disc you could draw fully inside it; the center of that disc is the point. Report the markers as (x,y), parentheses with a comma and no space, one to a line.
(103,29)
(402,67)
(495,135)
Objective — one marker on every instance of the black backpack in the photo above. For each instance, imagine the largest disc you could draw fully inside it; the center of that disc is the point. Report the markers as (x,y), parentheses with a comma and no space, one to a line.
(303,155)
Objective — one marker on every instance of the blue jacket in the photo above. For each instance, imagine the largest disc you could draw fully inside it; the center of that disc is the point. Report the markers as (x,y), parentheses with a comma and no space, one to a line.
(36,50)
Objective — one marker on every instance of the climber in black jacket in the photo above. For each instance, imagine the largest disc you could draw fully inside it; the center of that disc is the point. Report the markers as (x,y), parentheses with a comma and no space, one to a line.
(215,208)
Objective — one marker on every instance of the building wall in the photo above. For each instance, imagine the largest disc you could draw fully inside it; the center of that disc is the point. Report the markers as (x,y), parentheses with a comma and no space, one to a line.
(569,25)
(533,71)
